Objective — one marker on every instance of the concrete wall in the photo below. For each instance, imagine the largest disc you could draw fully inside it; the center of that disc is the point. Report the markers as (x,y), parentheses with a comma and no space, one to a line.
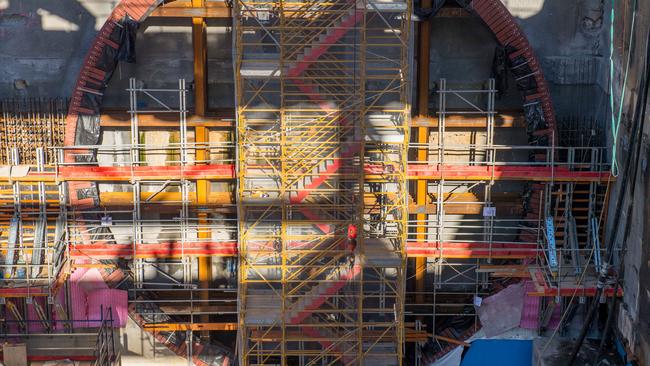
(634,313)
(569,37)
(139,347)
(43,43)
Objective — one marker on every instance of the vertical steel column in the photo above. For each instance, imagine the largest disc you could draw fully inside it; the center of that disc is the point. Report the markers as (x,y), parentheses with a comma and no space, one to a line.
(199,43)
(422,153)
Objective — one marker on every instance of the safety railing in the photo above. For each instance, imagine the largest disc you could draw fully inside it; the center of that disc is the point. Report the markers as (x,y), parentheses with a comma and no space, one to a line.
(572,158)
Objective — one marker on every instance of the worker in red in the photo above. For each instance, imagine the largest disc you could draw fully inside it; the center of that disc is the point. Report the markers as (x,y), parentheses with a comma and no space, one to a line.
(351,245)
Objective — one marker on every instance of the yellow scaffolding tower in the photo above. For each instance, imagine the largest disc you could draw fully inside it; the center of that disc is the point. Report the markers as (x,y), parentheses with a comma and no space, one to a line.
(323,113)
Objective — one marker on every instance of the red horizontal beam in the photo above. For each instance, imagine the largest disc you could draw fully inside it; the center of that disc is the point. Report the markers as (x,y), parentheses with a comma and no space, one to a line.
(579,291)
(534,173)
(23,291)
(99,173)
(157,250)
(176,249)
(544,289)
(227,171)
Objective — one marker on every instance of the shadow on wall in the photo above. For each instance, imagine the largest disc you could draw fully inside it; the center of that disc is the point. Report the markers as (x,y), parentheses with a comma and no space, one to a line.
(569,38)
(571,41)
(42,44)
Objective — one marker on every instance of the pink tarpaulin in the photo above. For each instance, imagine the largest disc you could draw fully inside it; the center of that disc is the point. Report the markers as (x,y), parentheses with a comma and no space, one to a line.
(92,280)
(530,311)
(89,294)
(117,300)
(78,302)
(59,323)
(34,322)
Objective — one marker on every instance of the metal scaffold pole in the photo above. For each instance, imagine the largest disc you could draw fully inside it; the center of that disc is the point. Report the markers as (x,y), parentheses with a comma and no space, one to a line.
(323,131)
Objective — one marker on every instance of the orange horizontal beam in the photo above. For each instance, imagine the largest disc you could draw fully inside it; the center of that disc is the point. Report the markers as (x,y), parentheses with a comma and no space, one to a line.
(163,120)
(171,198)
(458,203)
(542,288)
(508,204)
(184,9)
(501,120)
(176,327)
(504,208)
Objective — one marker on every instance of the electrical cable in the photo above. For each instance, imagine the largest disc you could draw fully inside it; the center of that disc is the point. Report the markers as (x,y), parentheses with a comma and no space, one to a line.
(616,119)
(626,232)
(629,175)
(608,324)
(580,280)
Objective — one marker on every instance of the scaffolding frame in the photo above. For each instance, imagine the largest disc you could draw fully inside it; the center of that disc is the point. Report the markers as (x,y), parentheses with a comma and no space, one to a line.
(33,244)
(314,100)
(462,249)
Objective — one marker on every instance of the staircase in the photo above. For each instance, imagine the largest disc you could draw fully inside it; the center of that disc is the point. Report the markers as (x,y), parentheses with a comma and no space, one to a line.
(319,294)
(264,308)
(338,29)
(298,297)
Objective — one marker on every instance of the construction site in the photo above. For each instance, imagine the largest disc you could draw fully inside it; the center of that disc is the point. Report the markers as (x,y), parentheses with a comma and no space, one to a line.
(324,182)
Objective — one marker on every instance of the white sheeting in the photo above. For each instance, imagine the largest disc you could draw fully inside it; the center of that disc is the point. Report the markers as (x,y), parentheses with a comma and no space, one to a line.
(452,358)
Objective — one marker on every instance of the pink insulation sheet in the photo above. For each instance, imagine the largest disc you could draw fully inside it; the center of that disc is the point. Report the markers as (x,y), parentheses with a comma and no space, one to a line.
(90,294)
(117,300)
(78,304)
(34,324)
(530,311)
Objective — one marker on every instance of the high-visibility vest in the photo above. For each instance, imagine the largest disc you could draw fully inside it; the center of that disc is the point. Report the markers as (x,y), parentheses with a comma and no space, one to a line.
(352,231)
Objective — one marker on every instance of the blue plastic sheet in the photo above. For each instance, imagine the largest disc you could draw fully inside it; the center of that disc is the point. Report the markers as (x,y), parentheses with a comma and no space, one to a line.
(499,352)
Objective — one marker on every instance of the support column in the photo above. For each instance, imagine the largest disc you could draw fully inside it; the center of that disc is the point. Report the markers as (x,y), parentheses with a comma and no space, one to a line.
(422,154)
(199,42)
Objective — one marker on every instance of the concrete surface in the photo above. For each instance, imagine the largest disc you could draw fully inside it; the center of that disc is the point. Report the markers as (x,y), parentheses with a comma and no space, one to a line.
(634,314)
(14,354)
(559,349)
(141,348)
(44,42)
(570,46)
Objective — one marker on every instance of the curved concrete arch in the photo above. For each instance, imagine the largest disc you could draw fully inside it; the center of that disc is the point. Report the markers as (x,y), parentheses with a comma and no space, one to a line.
(523,63)
(82,121)
(101,60)
(82,128)
(537,103)
(96,70)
